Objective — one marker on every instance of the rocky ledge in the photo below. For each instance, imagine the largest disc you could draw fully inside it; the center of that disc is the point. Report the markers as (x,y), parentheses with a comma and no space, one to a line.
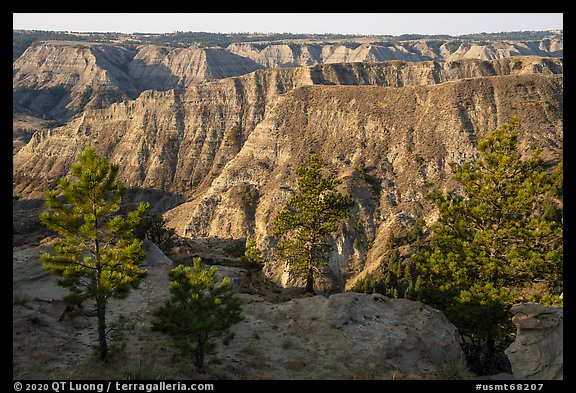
(344,336)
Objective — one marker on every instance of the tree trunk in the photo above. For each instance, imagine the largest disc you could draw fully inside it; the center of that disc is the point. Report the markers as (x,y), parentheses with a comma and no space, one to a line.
(489,351)
(490,347)
(310,282)
(199,355)
(101,311)
(67,309)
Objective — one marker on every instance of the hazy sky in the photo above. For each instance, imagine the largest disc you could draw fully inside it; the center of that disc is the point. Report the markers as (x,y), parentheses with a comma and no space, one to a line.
(345,23)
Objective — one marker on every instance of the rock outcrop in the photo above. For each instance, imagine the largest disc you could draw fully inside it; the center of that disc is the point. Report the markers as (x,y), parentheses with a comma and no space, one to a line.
(538,351)
(178,138)
(162,68)
(58,79)
(387,145)
(347,336)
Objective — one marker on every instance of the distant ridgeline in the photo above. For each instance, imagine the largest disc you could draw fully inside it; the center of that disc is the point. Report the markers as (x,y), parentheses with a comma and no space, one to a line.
(22,39)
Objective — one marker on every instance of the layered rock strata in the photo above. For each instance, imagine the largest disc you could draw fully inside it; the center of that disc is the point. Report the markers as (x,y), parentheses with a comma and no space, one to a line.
(230,147)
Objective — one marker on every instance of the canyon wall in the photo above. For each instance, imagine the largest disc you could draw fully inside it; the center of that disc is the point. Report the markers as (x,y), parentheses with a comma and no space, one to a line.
(58,79)
(230,147)
(292,54)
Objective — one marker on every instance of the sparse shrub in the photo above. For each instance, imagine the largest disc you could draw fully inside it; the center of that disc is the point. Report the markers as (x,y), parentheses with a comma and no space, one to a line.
(145,372)
(454,369)
(154,228)
(19,299)
(118,340)
(35,320)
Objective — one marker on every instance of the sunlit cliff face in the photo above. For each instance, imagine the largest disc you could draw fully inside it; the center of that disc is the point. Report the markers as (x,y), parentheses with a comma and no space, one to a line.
(229,147)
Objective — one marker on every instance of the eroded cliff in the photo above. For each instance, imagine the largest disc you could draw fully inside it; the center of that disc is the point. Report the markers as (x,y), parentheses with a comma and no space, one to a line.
(389,146)
(60,78)
(291,54)
(230,147)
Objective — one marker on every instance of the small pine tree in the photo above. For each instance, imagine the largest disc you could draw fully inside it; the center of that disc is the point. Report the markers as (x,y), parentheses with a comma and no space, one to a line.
(199,310)
(97,255)
(408,280)
(310,217)
(252,258)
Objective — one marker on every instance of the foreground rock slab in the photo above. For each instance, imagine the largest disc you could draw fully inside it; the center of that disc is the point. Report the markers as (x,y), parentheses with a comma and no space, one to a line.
(344,336)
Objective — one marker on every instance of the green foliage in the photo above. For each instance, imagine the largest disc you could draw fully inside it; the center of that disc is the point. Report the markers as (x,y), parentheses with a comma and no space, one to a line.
(369,285)
(200,309)
(397,280)
(310,217)
(494,244)
(413,237)
(252,258)
(97,255)
(398,277)
(117,330)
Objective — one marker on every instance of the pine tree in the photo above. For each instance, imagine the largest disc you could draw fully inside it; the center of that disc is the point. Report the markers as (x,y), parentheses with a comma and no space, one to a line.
(408,281)
(154,228)
(310,217)
(200,309)
(252,258)
(493,244)
(97,255)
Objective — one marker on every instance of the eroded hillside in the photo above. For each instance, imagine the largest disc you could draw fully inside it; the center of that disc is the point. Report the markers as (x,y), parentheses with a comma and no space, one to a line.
(390,147)
(57,79)
(229,147)
(293,54)
(179,140)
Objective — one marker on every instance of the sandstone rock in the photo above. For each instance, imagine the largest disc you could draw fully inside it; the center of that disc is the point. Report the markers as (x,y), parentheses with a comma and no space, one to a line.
(153,255)
(162,68)
(180,141)
(537,352)
(61,78)
(354,127)
(344,336)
